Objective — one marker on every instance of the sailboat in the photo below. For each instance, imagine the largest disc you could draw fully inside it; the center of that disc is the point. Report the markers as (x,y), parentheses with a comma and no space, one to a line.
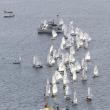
(53,79)
(86,45)
(61,67)
(50,60)
(89,96)
(68,44)
(36,62)
(51,50)
(65,79)
(54,34)
(84,76)
(81,35)
(77,31)
(72,50)
(55,54)
(65,30)
(75,100)
(63,42)
(96,72)
(87,56)
(87,37)
(78,66)
(84,65)
(71,58)
(61,46)
(58,76)
(48,89)
(72,67)
(54,90)
(74,76)
(66,58)
(61,22)
(45,24)
(17,61)
(67,92)
(77,42)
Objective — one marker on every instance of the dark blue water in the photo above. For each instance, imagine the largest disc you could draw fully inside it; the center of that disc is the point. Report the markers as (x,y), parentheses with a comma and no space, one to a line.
(22,87)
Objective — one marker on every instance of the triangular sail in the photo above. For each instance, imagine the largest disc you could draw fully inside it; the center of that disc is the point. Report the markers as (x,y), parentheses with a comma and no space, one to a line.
(51,49)
(58,76)
(75,101)
(87,56)
(54,34)
(74,76)
(54,89)
(48,88)
(34,58)
(67,90)
(89,92)
(96,72)
(61,22)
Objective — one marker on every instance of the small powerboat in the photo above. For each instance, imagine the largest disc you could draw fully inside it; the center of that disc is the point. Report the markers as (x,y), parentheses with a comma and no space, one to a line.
(17,61)
(9,16)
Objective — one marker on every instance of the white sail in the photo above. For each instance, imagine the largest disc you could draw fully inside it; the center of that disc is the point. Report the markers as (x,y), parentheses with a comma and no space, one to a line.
(65,78)
(89,93)
(96,72)
(72,50)
(71,58)
(48,88)
(54,89)
(74,76)
(66,57)
(72,42)
(64,28)
(75,100)
(54,34)
(61,67)
(71,29)
(54,53)
(61,22)
(72,32)
(58,76)
(51,49)
(72,68)
(84,76)
(68,43)
(84,64)
(63,41)
(78,66)
(38,62)
(19,59)
(71,23)
(81,35)
(34,60)
(86,45)
(58,53)
(67,91)
(77,42)
(45,24)
(87,37)
(77,30)
(53,79)
(50,60)
(87,56)
(61,46)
